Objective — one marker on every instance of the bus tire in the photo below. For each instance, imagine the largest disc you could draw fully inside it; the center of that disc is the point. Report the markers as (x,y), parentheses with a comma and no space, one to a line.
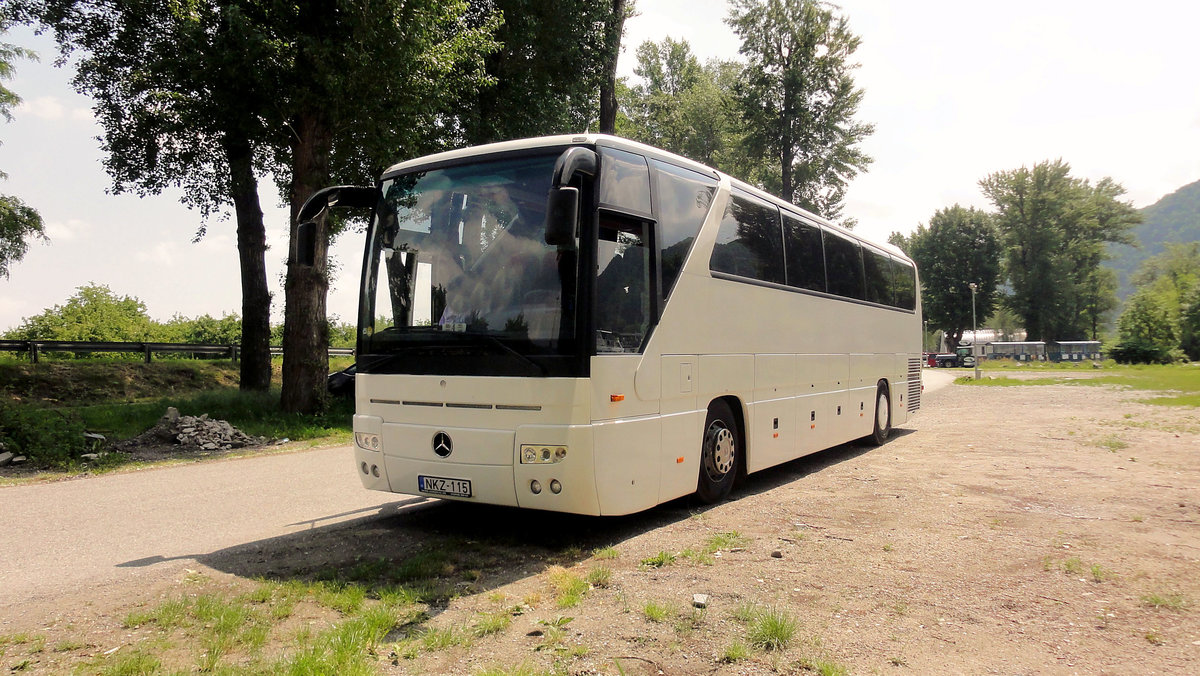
(719,451)
(883,416)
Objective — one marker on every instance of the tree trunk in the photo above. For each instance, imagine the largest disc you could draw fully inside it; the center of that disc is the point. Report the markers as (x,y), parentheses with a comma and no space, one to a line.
(252,251)
(608,90)
(305,328)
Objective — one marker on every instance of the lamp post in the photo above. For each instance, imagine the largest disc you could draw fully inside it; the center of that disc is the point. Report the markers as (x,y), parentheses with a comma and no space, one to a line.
(974,329)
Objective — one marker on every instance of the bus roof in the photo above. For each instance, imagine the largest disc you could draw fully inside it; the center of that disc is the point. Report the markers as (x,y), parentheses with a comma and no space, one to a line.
(608,141)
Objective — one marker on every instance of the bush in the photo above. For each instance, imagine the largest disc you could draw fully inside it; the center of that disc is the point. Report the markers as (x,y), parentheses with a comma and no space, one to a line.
(48,438)
(1140,351)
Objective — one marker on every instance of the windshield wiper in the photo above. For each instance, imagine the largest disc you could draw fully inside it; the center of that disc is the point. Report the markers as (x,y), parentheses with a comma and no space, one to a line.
(499,343)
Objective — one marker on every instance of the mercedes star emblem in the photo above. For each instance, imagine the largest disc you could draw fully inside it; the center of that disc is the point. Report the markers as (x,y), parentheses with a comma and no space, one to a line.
(442,445)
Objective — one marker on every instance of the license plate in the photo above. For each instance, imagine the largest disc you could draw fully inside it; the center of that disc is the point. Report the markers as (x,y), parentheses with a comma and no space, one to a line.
(458,488)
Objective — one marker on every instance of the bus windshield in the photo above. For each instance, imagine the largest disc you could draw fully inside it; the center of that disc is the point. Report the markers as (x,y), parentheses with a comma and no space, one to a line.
(458,277)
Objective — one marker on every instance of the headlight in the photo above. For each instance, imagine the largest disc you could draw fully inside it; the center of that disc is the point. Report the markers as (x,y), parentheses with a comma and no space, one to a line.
(368,442)
(540,454)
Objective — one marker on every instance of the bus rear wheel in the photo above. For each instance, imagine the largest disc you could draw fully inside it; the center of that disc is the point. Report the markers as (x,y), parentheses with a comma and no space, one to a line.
(883,416)
(718,454)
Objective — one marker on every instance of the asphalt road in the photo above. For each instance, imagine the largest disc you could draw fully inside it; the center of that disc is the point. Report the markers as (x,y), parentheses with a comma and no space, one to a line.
(112,529)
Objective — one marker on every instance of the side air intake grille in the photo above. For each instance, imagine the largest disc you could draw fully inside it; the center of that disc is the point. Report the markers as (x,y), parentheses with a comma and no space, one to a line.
(914,384)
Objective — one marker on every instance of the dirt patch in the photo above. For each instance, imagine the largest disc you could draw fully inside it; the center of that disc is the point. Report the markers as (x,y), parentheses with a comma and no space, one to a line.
(1020,530)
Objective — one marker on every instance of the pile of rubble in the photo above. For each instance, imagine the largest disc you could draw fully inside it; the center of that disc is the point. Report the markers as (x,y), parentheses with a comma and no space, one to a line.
(193,433)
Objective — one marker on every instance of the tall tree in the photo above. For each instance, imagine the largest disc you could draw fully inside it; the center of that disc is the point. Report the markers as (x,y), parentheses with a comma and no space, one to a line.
(180,106)
(549,65)
(960,246)
(1054,229)
(682,106)
(18,222)
(1173,279)
(209,95)
(799,101)
(345,122)
(613,29)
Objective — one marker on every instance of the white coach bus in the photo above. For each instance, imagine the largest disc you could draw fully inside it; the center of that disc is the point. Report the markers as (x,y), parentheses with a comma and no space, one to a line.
(587,324)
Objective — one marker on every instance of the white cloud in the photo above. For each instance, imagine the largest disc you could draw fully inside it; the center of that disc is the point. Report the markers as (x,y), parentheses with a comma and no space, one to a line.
(69,230)
(162,253)
(54,109)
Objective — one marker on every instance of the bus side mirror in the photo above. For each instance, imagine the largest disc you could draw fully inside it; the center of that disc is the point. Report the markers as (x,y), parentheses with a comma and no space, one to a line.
(562,212)
(306,243)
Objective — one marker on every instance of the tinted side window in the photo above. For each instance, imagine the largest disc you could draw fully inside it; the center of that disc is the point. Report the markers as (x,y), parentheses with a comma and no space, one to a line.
(684,197)
(624,180)
(805,255)
(878,272)
(843,259)
(906,284)
(749,241)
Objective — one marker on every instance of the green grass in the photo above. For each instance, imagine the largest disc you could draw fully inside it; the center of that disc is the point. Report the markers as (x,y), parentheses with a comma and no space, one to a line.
(1169,601)
(569,588)
(725,540)
(491,623)
(826,667)
(772,629)
(1180,382)
(606,553)
(735,652)
(121,399)
(600,577)
(663,558)
(656,611)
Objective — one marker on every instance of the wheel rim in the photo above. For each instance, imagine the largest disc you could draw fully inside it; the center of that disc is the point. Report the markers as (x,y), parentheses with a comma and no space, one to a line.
(720,450)
(881,412)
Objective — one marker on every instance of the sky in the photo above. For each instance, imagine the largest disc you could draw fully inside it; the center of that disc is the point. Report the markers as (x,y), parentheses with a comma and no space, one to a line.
(956,90)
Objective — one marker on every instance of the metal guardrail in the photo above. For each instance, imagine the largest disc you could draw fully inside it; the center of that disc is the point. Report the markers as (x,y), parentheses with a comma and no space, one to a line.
(35,347)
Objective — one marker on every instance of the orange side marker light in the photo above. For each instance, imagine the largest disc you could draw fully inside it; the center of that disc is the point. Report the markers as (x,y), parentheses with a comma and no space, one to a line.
(679,460)
(616,397)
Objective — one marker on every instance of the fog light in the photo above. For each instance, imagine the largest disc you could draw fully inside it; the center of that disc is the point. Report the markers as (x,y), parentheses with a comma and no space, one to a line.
(535,486)
(364,468)
(375,471)
(555,487)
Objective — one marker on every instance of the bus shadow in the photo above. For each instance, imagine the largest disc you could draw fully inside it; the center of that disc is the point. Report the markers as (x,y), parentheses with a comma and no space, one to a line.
(449,548)
(442,548)
(774,477)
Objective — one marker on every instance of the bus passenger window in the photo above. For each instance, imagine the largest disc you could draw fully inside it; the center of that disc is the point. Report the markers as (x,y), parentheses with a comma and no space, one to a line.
(843,258)
(805,255)
(684,198)
(622,285)
(906,284)
(878,269)
(749,242)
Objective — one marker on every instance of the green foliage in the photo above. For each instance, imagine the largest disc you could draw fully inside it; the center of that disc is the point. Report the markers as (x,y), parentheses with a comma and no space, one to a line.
(1164,314)
(1054,230)
(684,107)
(93,313)
(545,72)
(18,224)
(798,99)
(47,438)
(958,247)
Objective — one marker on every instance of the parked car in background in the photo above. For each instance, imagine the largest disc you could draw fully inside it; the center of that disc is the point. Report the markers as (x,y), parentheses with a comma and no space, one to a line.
(965,358)
(341,383)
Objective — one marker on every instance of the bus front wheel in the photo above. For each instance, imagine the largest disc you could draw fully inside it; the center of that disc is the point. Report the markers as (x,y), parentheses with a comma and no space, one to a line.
(718,454)
(883,416)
